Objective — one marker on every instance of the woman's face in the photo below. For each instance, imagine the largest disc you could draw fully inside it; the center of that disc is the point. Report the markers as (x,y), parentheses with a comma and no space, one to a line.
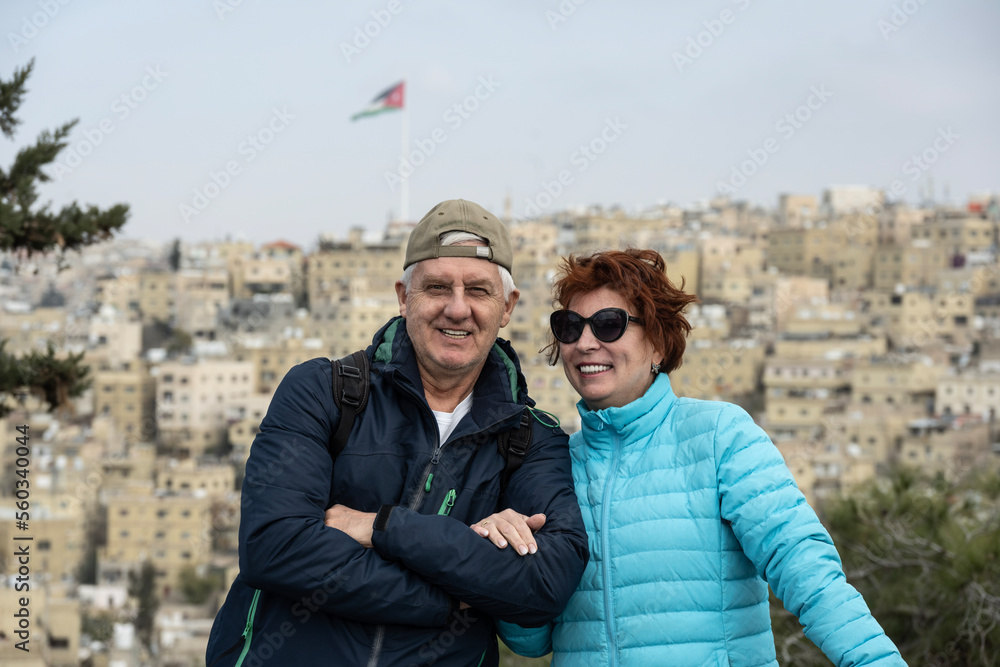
(608,374)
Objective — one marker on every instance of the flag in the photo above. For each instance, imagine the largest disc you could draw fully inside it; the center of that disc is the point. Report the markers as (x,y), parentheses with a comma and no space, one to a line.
(390,100)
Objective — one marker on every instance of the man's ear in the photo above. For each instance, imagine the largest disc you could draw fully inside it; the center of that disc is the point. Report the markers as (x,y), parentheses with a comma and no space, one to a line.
(508,307)
(401,297)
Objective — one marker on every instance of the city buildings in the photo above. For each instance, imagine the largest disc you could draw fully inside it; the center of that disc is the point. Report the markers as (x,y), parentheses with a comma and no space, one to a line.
(859,334)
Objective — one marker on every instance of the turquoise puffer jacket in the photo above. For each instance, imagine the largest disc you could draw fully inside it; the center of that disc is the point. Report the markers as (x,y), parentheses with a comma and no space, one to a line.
(690,509)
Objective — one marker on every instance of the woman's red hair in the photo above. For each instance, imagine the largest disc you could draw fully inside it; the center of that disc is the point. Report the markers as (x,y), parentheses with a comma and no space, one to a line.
(640,277)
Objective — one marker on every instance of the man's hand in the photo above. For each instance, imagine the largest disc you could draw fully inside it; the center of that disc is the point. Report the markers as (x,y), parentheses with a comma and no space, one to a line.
(358,525)
(510,526)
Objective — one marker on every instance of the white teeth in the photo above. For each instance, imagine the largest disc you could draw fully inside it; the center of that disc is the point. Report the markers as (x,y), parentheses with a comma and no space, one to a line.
(451,333)
(594,368)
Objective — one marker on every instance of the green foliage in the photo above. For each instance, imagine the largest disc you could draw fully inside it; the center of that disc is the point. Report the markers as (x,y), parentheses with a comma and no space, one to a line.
(99,626)
(53,379)
(196,589)
(925,553)
(180,342)
(142,587)
(24,228)
(175,256)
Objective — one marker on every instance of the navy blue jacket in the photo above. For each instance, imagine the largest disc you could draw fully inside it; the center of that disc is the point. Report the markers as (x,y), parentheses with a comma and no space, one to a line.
(308,594)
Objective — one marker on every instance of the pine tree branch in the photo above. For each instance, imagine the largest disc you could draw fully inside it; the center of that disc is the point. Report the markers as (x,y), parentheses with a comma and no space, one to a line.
(27,167)
(70,229)
(11,93)
(46,376)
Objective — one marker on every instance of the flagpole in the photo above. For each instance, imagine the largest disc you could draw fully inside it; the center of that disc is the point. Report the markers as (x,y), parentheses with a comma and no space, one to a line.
(404,191)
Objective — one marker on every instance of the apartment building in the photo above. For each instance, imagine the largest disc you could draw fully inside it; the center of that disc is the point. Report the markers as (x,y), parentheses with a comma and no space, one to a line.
(348,326)
(957,235)
(128,397)
(262,275)
(373,268)
(969,393)
(827,346)
(173,531)
(896,222)
(839,199)
(272,359)
(157,295)
(822,470)
(188,476)
(953,447)
(27,329)
(914,266)
(272,316)
(591,232)
(202,295)
(122,291)
(801,393)
(58,540)
(801,252)
(719,369)
(895,384)
(794,211)
(112,340)
(851,268)
(916,318)
(192,401)
(55,629)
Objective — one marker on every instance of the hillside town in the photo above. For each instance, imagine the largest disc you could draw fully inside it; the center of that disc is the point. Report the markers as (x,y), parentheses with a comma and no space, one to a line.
(860,333)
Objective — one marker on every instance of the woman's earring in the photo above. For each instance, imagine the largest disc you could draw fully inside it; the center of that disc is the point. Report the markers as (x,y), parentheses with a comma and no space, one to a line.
(655,368)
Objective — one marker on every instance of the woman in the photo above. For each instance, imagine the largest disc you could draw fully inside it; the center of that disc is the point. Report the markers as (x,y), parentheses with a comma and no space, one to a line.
(689,507)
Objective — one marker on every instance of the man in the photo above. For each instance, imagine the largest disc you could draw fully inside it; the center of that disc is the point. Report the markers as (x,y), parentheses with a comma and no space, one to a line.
(392,574)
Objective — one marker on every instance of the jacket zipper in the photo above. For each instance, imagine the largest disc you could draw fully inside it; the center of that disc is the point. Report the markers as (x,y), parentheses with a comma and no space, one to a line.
(377,646)
(417,499)
(248,630)
(448,503)
(605,547)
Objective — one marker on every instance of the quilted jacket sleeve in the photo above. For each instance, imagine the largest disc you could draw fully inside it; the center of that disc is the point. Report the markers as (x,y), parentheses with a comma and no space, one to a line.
(792,551)
(530,590)
(529,642)
(286,549)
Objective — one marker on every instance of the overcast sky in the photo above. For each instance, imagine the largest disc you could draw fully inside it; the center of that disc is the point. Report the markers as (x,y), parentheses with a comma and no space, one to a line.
(669,97)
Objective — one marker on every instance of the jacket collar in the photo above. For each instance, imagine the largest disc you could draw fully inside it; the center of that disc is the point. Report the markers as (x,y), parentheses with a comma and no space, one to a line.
(630,422)
(499,394)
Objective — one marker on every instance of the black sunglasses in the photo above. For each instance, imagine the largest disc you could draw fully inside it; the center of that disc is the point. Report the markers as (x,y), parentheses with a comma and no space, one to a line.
(608,324)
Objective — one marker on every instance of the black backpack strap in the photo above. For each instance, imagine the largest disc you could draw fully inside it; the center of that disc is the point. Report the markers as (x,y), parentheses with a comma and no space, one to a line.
(513,446)
(351,385)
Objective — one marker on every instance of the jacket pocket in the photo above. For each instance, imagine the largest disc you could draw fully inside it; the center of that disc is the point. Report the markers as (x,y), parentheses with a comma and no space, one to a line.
(246,638)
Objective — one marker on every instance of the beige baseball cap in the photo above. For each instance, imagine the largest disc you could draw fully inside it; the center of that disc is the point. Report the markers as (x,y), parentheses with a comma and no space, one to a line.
(458,215)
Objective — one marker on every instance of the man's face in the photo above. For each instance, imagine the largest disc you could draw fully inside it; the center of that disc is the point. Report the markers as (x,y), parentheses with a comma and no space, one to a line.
(454,311)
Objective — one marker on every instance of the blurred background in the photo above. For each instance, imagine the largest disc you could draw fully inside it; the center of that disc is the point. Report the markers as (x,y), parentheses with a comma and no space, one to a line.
(234,198)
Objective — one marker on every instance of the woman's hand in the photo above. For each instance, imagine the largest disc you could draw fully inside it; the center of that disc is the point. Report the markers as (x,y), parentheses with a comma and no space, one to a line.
(511,527)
